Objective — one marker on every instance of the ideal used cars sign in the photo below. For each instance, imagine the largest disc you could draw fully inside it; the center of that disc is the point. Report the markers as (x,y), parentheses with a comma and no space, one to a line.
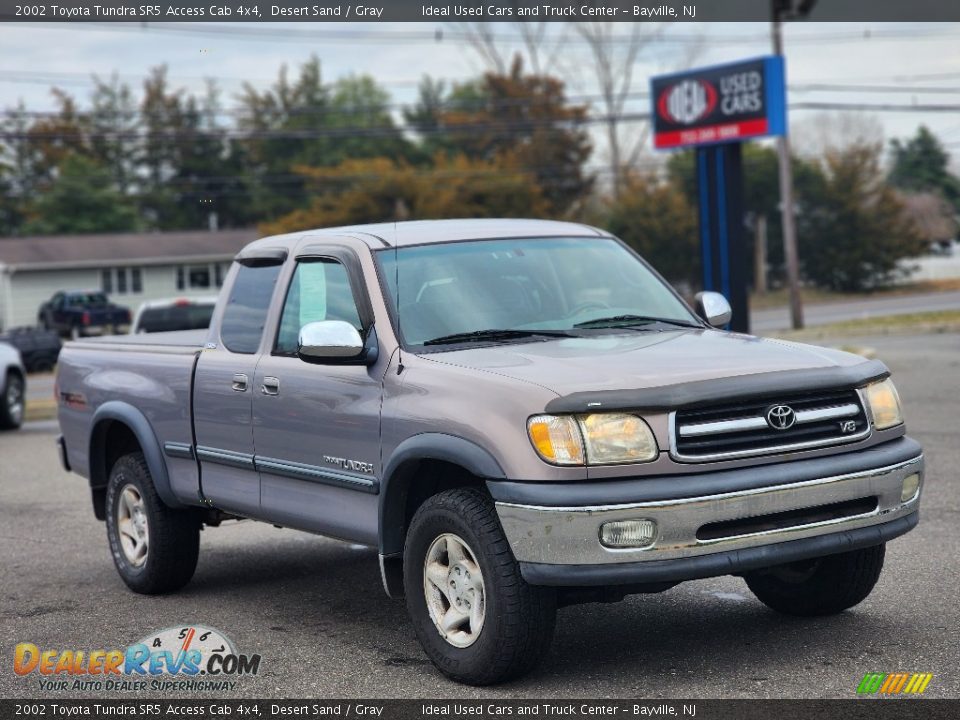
(723,103)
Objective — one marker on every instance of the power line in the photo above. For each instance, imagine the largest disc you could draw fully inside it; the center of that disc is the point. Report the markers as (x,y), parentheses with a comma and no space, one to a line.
(440,33)
(476,105)
(394,131)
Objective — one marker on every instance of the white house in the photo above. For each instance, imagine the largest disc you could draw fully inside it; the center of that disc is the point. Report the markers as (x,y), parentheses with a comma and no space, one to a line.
(130,267)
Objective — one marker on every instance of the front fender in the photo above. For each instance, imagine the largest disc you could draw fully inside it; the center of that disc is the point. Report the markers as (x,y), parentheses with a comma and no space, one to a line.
(425,446)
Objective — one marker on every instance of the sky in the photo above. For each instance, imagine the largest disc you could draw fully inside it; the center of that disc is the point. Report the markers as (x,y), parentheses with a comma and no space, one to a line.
(902,65)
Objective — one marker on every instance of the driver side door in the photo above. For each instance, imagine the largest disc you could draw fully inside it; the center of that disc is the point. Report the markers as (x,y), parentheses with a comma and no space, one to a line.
(317,426)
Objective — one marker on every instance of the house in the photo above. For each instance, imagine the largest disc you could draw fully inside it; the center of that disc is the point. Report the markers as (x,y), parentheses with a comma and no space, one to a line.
(130,267)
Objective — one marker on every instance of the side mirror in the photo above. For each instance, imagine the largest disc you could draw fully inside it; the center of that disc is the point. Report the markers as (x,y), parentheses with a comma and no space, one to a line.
(332,341)
(714,308)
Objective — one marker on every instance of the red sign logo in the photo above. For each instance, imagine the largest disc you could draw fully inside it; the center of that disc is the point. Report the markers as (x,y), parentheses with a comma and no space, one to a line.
(687,102)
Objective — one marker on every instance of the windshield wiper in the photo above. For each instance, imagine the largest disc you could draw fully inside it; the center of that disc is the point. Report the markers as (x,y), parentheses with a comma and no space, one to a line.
(629,321)
(494,334)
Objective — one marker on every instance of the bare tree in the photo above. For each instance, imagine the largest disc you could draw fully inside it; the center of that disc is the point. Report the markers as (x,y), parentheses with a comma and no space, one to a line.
(614,57)
(535,42)
(825,132)
(483,40)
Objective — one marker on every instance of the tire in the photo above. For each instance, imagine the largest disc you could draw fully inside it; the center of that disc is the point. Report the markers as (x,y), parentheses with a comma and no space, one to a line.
(168,558)
(12,401)
(516,621)
(821,586)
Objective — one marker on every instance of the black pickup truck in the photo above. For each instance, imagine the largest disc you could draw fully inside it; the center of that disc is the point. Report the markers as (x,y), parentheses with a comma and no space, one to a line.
(78,313)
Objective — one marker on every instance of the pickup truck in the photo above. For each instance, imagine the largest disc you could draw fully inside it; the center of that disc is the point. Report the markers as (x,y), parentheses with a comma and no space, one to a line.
(81,312)
(517,414)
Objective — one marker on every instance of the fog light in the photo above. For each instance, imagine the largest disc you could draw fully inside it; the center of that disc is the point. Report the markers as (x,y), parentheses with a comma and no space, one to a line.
(628,533)
(911,484)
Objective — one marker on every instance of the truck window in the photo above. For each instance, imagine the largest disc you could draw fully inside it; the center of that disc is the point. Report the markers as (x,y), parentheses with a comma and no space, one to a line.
(246,311)
(319,290)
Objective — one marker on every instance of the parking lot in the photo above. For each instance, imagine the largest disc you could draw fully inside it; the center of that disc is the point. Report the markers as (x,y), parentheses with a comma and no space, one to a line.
(314,610)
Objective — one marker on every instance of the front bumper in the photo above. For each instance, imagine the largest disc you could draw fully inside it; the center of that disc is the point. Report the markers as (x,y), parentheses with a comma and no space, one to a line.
(732,529)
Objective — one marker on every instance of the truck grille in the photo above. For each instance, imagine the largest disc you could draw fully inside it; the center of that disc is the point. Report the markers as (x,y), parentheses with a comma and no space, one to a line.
(760,426)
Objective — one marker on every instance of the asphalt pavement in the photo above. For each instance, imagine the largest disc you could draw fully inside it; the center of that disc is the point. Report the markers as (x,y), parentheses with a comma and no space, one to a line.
(314,610)
(774,319)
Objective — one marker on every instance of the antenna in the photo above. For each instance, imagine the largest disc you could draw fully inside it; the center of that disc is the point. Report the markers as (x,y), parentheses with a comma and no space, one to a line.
(396,279)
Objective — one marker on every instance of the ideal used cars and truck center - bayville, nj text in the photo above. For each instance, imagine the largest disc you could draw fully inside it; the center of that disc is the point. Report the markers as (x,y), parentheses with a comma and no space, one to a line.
(519,415)
(248,10)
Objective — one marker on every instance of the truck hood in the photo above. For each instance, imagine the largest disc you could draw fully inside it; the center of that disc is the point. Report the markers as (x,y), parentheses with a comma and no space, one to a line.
(644,359)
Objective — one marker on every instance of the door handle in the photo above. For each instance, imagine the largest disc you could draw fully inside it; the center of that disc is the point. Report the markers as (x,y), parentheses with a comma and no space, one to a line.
(270,386)
(240,382)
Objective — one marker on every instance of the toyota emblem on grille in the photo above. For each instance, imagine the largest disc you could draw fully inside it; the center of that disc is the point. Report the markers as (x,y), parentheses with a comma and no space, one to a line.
(781,417)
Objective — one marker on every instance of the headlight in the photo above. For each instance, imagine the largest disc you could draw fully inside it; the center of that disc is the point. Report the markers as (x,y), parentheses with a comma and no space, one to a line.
(884,404)
(597,439)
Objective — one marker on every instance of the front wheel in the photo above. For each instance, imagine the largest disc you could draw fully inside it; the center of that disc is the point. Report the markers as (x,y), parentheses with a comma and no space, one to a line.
(475,616)
(154,547)
(820,586)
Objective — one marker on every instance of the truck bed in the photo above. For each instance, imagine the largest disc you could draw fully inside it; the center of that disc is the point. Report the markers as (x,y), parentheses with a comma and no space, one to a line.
(119,377)
(191,340)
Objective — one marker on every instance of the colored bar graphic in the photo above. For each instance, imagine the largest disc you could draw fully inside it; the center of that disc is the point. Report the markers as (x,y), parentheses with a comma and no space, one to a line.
(894,683)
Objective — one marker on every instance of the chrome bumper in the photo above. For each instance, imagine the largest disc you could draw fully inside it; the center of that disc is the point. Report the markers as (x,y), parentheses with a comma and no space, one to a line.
(571,535)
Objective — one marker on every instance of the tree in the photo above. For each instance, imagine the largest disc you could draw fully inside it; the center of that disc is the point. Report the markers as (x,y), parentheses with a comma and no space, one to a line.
(379,189)
(113,127)
(360,112)
(518,119)
(310,123)
(932,216)
(854,229)
(657,220)
(761,193)
(921,165)
(81,199)
(614,61)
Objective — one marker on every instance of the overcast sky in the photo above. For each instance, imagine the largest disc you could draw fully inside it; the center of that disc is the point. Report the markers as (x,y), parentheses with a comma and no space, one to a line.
(921,62)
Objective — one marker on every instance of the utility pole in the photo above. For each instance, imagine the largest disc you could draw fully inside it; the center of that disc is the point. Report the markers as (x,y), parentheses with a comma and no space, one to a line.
(760,254)
(786,182)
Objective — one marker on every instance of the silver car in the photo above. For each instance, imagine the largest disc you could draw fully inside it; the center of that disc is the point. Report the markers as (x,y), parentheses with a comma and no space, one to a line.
(13,388)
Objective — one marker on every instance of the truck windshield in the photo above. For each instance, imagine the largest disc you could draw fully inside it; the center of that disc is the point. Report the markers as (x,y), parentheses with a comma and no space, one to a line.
(493,290)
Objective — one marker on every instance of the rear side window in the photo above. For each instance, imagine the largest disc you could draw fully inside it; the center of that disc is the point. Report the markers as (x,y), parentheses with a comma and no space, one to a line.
(246,312)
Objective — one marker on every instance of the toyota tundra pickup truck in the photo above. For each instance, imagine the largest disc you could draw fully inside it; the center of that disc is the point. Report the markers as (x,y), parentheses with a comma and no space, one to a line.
(517,414)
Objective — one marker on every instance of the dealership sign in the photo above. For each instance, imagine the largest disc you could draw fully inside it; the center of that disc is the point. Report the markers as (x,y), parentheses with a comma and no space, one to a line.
(724,103)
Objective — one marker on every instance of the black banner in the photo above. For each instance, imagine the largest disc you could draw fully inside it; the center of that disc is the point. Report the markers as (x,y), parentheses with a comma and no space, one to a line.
(898,709)
(467,10)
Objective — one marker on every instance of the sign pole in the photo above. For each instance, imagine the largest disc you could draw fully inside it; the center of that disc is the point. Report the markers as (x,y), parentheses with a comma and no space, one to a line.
(786,201)
(720,191)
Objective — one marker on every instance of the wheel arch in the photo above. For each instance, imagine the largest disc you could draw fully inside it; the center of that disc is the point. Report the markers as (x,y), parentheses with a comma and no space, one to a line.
(118,428)
(420,467)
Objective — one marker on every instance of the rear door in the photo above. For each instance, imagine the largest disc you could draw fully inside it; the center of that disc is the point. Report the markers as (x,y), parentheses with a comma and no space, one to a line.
(224,389)
(317,427)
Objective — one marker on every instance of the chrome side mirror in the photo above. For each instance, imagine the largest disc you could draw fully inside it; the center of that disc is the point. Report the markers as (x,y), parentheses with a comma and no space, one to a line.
(330,341)
(714,308)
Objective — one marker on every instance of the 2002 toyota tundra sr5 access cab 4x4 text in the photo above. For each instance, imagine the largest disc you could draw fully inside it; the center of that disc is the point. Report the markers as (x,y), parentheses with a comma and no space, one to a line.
(518,414)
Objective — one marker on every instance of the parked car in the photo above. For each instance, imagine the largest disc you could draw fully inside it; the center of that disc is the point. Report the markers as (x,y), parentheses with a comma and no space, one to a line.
(82,312)
(173,314)
(38,348)
(518,414)
(13,387)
